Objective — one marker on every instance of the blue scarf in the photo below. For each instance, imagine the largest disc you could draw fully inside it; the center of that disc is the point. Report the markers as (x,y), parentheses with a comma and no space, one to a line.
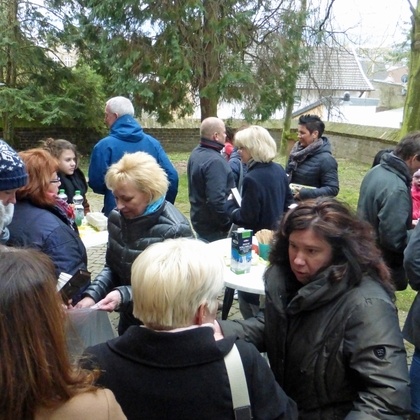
(152,207)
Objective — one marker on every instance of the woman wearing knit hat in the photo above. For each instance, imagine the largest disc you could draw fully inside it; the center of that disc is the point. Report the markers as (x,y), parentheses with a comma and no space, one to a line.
(40,221)
(12,176)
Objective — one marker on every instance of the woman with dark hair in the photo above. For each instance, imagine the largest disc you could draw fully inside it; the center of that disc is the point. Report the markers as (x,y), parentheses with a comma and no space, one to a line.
(37,379)
(41,220)
(71,176)
(378,156)
(330,327)
(311,162)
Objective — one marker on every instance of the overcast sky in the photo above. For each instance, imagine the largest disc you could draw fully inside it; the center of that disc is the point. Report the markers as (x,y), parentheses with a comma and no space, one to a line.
(373,22)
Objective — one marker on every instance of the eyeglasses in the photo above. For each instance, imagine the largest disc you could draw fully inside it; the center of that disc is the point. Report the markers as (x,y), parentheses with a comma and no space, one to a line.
(55,181)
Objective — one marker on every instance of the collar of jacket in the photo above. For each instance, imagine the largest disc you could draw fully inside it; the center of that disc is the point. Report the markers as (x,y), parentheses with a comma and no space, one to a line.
(198,343)
(318,292)
(211,144)
(145,218)
(127,128)
(398,166)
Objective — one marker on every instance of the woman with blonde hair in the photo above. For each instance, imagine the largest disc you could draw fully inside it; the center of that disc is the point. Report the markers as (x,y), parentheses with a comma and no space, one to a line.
(43,222)
(265,190)
(172,367)
(266,194)
(37,379)
(141,218)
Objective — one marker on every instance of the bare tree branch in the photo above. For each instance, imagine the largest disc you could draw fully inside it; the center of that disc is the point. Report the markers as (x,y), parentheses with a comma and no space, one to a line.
(327,15)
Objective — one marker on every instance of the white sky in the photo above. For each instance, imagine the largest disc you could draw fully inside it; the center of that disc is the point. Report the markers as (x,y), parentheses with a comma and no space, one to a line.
(373,22)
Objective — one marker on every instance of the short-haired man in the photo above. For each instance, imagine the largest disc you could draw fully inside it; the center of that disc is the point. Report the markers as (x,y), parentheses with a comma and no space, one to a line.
(210,180)
(385,202)
(125,136)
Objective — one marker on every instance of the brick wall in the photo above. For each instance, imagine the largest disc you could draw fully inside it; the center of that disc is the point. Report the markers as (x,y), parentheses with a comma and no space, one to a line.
(358,143)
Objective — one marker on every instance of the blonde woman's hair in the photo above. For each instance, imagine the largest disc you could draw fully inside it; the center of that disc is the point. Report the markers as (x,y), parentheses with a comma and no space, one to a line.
(258,141)
(170,280)
(143,171)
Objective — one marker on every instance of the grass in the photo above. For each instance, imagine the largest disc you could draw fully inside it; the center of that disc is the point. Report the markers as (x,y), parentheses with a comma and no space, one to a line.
(350,175)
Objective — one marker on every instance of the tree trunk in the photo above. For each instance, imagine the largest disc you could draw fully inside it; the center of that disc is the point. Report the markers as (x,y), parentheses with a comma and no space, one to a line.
(209,96)
(411,121)
(285,135)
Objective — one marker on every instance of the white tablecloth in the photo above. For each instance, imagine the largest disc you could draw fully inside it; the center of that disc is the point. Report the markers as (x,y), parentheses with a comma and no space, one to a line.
(91,237)
(251,282)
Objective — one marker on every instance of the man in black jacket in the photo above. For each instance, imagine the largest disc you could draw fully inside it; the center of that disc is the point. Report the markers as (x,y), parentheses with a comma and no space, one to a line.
(210,180)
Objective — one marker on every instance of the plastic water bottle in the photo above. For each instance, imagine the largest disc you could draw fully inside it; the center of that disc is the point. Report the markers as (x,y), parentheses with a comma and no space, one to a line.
(62,194)
(79,211)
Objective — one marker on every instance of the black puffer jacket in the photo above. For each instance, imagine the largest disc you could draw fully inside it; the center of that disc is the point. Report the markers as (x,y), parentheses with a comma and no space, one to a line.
(127,239)
(318,170)
(337,351)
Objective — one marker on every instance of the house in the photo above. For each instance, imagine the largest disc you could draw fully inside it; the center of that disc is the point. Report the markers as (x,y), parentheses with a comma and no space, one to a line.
(333,86)
(334,75)
(332,72)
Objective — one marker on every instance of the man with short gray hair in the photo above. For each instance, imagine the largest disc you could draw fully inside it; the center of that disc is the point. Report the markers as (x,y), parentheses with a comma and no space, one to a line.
(125,136)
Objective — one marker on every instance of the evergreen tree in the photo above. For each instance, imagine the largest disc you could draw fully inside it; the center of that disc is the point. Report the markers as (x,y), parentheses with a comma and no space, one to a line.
(36,86)
(168,56)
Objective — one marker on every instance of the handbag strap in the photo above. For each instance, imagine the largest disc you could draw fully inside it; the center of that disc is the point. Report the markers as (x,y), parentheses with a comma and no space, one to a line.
(238,386)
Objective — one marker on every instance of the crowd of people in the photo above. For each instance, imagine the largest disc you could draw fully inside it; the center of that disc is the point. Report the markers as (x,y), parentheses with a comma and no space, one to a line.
(327,321)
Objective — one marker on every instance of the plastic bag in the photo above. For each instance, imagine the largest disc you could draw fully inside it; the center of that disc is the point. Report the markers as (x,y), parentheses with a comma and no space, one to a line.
(87,327)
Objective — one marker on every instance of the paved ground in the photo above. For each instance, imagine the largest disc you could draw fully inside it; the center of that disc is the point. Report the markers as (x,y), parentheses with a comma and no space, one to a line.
(96,259)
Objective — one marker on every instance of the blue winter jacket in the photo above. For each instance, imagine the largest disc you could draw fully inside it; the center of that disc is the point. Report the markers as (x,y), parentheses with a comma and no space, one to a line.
(266,196)
(126,136)
(46,229)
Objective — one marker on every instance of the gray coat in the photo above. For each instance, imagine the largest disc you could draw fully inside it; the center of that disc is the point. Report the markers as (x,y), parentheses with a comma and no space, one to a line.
(337,351)
(385,202)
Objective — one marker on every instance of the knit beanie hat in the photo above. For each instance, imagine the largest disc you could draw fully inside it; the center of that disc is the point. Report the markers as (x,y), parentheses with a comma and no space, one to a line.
(12,169)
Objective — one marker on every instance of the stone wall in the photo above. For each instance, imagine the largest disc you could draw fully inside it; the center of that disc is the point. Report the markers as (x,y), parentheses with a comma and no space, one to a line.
(348,141)
(361,146)
(26,138)
(360,143)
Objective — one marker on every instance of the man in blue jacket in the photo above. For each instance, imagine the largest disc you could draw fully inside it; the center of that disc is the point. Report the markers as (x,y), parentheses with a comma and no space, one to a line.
(125,136)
